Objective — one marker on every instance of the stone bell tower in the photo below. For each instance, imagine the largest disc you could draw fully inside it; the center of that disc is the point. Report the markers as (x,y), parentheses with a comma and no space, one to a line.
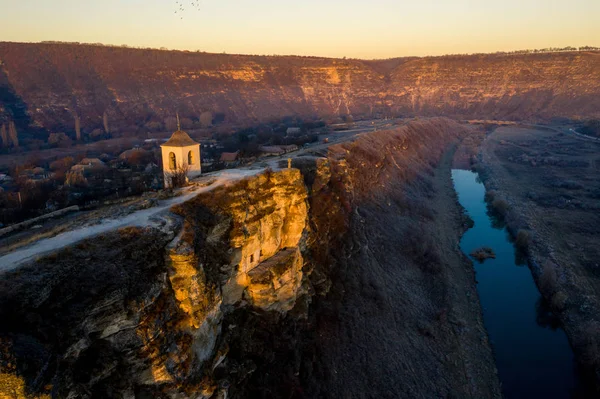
(180,153)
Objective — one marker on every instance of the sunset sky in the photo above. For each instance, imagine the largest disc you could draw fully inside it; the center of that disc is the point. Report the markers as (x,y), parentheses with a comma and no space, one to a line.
(336,28)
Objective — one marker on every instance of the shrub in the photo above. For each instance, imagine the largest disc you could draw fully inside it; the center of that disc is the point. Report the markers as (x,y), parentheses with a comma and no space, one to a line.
(523,240)
(423,251)
(59,140)
(206,119)
(591,353)
(548,279)
(75,179)
(559,301)
(490,195)
(179,177)
(97,133)
(468,222)
(62,164)
(483,253)
(500,206)
(268,172)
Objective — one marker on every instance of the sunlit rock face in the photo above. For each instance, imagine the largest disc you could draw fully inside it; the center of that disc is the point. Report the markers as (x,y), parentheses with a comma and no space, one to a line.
(275,282)
(200,310)
(268,216)
(142,310)
(244,250)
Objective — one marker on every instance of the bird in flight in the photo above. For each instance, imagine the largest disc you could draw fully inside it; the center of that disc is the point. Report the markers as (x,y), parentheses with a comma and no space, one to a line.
(180,6)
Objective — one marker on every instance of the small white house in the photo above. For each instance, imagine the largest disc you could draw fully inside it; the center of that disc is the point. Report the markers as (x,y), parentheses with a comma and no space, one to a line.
(180,153)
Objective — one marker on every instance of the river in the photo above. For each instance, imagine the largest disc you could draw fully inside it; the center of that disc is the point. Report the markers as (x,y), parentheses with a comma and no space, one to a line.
(533,356)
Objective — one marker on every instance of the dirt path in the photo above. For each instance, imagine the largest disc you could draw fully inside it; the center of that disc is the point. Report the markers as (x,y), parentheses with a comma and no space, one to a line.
(146,217)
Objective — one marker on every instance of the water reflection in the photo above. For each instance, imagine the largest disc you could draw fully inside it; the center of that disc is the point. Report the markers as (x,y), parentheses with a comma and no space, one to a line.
(545,318)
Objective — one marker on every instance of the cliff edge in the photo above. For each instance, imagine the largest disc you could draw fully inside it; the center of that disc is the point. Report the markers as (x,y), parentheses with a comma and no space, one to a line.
(338,277)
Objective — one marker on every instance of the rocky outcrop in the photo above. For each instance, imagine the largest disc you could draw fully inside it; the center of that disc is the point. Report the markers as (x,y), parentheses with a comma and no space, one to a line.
(116,320)
(44,86)
(306,281)
(275,283)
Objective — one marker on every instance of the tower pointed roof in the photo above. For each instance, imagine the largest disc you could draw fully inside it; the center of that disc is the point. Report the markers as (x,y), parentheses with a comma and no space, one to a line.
(180,139)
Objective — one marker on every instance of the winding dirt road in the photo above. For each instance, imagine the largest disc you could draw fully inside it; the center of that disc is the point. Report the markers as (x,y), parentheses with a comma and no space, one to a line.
(145,217)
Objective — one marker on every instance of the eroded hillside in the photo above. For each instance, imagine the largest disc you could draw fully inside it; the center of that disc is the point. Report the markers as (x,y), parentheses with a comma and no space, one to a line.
(339,277)
(46,85)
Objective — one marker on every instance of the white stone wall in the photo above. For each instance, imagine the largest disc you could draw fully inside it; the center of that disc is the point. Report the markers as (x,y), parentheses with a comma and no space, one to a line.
(181,157)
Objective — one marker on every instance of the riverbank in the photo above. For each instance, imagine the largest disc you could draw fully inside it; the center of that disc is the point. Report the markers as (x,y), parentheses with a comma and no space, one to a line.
(452,225)
(547,184)
(533,356)
(403,318)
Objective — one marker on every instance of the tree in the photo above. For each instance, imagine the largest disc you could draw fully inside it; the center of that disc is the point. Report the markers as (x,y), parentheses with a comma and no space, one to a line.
(206,119)
(105,121)
(154,126)
(59,140)
(178,178)
(77,128)
(75,178)
(186,123)
(4,136)
(171,123)
(12,132)
(591,127)
(62,164)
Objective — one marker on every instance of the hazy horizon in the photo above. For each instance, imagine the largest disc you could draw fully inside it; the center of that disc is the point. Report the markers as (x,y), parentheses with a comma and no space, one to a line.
(378,30)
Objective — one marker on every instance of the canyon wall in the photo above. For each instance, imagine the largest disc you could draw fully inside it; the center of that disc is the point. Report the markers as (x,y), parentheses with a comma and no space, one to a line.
(44,86)
(339,277)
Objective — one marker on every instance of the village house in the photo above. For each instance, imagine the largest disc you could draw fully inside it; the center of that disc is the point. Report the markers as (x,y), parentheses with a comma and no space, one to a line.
(272,150)
(278,150)
(230,158)
(35,175)
(88,164)
(209,143)
(134,155)
(293,131)
(289,148)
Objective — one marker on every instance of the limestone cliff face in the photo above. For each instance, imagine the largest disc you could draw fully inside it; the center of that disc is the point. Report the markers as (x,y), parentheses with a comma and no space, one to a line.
(262,221)
(45,85)
(156,328)
(517,87)
(266,239)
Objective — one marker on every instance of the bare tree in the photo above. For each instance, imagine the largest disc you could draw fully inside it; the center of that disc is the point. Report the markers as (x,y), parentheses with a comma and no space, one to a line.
(105,120)
(186,123)
(179,177)
(206,119)
(75,178)
(170,123)
(77,128)
(4,136)
(12,132)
